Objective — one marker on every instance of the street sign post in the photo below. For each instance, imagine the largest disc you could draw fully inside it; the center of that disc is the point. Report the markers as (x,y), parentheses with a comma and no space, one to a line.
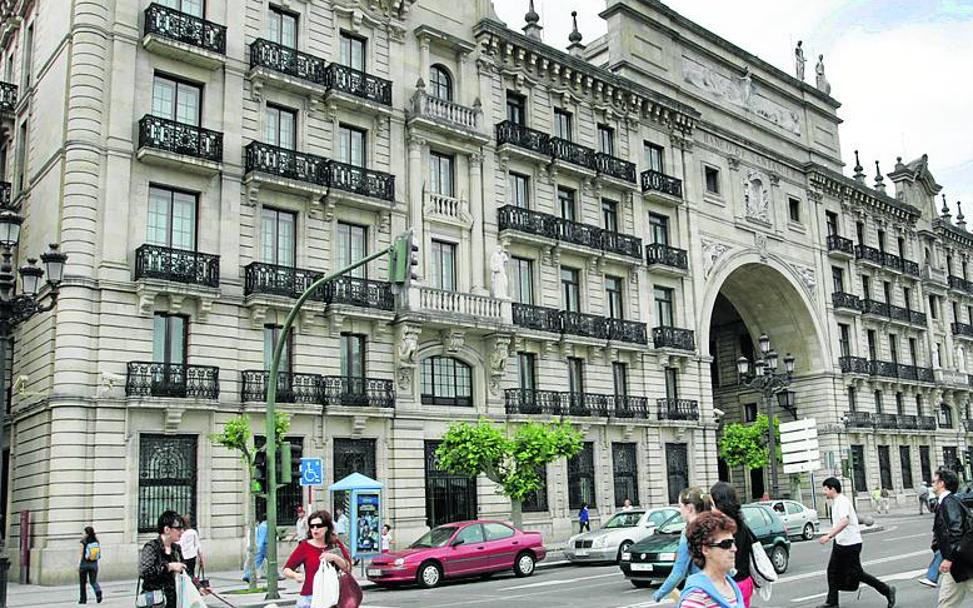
(800,450)
(312,472)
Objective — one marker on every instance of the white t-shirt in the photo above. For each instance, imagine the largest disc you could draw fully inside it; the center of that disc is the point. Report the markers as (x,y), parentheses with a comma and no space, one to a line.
(189,543)
(387,541)
(842,507)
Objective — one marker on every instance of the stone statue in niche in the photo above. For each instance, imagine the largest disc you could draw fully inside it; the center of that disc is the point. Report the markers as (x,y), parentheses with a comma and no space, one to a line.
(408,344)
(498,363)
(756,197)
(960,358)
(936,356)
(821,82)
(498,268)
(799,61)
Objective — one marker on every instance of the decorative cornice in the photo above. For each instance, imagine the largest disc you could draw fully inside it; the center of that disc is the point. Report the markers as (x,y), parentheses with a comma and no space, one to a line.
(845,188)
(949,232)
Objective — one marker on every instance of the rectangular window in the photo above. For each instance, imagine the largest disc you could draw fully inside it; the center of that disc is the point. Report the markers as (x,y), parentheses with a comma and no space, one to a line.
(271,336)
(838,278)
(794,209)
(878,402)
(519,190)
(881,241)
(575,375)
(933,308)
(949,264)
(858,468)
(955,307)
(448,497)
(749,412)
(352,51)
(831,221)
(654,157)
(677,469)
(171,220)
(562,124)
(565,197)
(278,237)
(969,314)
(536,502)
(852,399)
(609,214)
(672,382)
(620,379)
(894,347)
(963,268)
(570,289)
(523,280)
(352,456)
(351,145)
(901,249)
(526,371)
(443,265)
(516,108)
(441,174)
(939,354)
(282,27)
(613,297)
(176,100)
(351,245)
(919,408)
(625,473)
(663,306)
(887,291)
(21,159)
(581,477)
(870,338)
(885,467)
(28,59)
(190,7)
(913,352)
(866,287)
(289,496)
(712,176)
(280,128)
(844,339)
(169,334)
(907,297)
(659,227)
(167,477)
(860,232)
(606,140)
(925,463)
(899,404)
(353,356)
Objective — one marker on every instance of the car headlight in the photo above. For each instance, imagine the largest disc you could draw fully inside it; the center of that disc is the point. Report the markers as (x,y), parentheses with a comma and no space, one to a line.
(626,557)
(667,557)
(399,562)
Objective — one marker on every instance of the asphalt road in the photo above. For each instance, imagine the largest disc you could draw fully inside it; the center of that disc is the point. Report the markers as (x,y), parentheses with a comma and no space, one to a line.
(899,555)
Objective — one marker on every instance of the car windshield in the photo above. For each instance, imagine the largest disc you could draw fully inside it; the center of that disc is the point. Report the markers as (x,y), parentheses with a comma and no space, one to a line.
(673,525)
(628,519)
(437,537)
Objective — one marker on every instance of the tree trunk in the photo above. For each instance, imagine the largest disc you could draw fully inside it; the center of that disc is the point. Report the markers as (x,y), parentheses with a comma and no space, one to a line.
(249,509)
(516,513)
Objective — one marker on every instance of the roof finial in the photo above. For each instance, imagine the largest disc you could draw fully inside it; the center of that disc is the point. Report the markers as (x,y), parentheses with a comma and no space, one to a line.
(575,48)
(960,220)
(945,210)
(533,28)
(898,163)
(879,181)
(859,170)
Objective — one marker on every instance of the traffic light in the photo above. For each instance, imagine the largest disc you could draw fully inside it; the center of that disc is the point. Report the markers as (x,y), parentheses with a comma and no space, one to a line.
(404,259)
(284,474)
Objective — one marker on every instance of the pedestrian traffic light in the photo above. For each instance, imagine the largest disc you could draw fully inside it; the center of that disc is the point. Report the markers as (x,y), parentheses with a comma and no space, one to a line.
(284,475)
(404,259)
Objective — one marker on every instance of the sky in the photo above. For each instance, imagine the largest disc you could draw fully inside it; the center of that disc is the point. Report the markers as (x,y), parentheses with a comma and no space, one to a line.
(901,70)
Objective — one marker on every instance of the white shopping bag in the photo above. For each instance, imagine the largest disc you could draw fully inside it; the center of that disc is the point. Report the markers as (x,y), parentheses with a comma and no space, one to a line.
(187,596)
(325,591)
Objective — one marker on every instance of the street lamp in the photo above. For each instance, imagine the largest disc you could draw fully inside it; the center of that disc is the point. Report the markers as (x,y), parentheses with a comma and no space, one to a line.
(15,308)
(773,388)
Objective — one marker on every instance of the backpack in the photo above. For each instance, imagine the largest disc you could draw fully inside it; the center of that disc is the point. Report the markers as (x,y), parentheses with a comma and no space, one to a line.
(92,552)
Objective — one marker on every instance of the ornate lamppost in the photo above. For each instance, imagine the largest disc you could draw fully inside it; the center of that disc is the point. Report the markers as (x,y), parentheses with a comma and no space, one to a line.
(15,308)
(765,380)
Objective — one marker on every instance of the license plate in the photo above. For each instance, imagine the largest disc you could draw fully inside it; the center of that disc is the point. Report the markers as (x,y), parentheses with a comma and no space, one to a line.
(641,567)
(581,552)
(374,572)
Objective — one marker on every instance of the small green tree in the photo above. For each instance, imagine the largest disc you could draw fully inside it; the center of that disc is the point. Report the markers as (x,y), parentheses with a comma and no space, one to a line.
(237,435)
(510,462)
(745,444)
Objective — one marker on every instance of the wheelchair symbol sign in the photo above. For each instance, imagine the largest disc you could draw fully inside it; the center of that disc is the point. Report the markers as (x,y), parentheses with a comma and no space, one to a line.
(312,472)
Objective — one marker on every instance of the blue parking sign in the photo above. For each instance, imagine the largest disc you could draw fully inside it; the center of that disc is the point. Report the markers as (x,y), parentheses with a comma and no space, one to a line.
(312,472)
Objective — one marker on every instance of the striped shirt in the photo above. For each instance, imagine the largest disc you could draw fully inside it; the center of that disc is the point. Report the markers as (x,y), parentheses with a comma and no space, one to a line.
(700,599)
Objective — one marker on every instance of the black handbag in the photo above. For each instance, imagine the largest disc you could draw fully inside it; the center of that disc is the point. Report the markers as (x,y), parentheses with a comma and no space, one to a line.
(149,599)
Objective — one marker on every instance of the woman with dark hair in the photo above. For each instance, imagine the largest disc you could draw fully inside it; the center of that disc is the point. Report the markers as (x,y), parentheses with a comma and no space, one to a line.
(725,501)
(161,557)
(713,549)
(321,546)
(692,502)
(88,567)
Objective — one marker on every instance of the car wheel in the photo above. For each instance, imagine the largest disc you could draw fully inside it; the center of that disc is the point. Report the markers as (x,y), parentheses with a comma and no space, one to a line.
(524,566)
(808,531)
(779,558)
(623,548)
(429,575)
(640,584)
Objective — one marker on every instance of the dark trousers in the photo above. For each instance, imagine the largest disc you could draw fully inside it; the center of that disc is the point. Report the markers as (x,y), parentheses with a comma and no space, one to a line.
(844,566)
(582,525)
(88,574)
(190,566)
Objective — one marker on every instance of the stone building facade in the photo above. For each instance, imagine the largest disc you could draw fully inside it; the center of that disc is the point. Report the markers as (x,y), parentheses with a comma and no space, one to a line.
(603,232)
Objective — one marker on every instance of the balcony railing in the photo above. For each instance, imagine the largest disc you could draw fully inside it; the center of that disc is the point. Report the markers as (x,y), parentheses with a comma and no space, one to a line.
(673,337)
(579,324)
(886,369)
(859,420)
(510,217)
(874,307)
(926,423)
(925,374)
(348,80)
(359,180)
(149,379)
(459,303)
(356,291)
(917,318)
(289,164)
(556,403)
(8,97)
(628,331)
(885,421)
(181,27)
(853,365)
(350,391)
(180,138)
(570,152)
(272,279)
(5,195)
(539,318)
(523,137)
(621,244)
(962,329)
(898,313)
(959,284)
(868,254)
(657,253)
(908,422)
(283,59)
(906,372)
(910,268)
(656,181)
(178,265)
(840,299)
(677,409)
(840,244)
(891,261)
(428,106)
(612,166)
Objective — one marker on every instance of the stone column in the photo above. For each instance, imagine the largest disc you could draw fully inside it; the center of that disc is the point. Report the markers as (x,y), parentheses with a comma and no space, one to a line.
(477,252)
(415,194)
(424,57)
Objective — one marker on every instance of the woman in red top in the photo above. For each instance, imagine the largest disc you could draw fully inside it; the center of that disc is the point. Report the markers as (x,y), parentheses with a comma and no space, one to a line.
(321,546)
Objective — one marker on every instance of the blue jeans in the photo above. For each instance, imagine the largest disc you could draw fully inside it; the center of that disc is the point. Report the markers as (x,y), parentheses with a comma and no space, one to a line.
(258,561)
(933,572)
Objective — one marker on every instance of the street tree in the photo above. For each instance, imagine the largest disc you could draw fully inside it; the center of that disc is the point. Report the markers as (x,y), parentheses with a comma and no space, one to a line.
(512,462)
(745,444)
(237,435)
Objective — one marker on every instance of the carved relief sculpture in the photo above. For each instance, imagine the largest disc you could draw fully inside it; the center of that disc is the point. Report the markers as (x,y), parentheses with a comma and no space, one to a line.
(408,346)
(498,267)
(756,197)
(498,363)
(807,278)
(712,252)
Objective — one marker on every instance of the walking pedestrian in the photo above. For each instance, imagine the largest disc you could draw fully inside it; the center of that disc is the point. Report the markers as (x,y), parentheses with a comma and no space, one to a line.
(845,571)
(922,493)
(300,526)
(386,539)
(190,547)
(261,552)
(712,543)
(321,546)
(949,526)
(88,566)
(692,502)
(584,518)
(341,524)
(932,572)
(884,497)
(725,501)
(161,557)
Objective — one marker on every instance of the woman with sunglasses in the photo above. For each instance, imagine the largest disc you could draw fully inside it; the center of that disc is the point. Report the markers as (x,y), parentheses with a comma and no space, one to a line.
(725,501)
(321,546)
(161,557)
(692,502)
(714,550)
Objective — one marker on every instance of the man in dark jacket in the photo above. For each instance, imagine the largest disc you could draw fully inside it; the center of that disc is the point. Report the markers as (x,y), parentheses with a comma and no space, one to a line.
(948,528)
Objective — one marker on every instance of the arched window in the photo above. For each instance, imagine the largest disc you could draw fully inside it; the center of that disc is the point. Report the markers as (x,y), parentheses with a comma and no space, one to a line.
(446,381)
(440,83)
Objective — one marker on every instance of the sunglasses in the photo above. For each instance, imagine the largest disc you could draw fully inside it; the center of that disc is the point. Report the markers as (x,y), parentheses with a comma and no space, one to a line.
(726,544)
(316,526)
(176,528)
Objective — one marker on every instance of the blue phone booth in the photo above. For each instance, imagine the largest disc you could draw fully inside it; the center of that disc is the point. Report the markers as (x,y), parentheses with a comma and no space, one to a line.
(365,507)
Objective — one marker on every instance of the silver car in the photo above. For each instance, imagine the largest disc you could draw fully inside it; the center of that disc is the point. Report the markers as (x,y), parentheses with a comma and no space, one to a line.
(798,519)
(606,544)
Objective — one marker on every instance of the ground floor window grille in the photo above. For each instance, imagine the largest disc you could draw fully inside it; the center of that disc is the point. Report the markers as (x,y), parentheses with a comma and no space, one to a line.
(581,478)
(448,497)
(625,472)
(167,477)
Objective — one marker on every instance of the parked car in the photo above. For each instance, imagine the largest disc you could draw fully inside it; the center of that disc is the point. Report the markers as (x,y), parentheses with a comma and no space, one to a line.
(798,519)
(466,548)
(607,543)
(650,561)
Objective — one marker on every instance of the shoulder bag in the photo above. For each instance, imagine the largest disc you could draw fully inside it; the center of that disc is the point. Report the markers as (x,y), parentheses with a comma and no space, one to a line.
(350,593)
(149,599)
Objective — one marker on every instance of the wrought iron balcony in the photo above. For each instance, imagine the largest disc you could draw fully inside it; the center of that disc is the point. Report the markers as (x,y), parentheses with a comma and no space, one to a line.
(8,97)
(359,180)
(271,279)
(181,27)
(840,299)
(539,318)
(612,166)
(917,318)
(291,388)
(356,291)
(523,137)
(579,324)
(440,110)
(874,307)
(180,138)
(859,420)
(910,268)
(891,261)
(178,265)
(582,324)
(5,195)
(906,372)
(926,423)
(622,244)
(557,403)
(628,331)
(510,217)
(657,253)
(885,421)
(283,59)
(289,164)
(962,329)
(677,409)
(149,379)
(570,152)
(853,365)
(350,391)
(908,422)
(673,337)
(959,284)
(656,181)
(886,369)
(627,406)
(577,233)
(839,244)
(359,84)
(925,374)
(868,254)
(898,313)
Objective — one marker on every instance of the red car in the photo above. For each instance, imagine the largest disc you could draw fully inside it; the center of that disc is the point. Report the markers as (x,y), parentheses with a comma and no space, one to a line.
(466,548)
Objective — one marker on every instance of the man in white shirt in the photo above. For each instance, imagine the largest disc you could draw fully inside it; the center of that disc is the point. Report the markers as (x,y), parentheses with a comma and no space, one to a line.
(190,547)
(845,567)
